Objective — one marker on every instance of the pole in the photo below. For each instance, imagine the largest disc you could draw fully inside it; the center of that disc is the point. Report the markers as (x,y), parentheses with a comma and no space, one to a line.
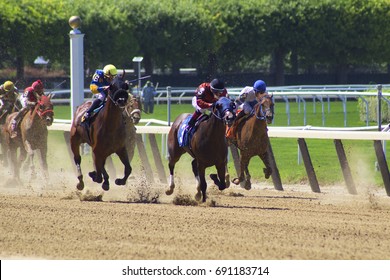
(139,78)
(379,87)
(169,104)
(76,64)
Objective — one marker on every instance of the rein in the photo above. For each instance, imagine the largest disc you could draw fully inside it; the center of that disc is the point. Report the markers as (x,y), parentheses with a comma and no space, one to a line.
(41,113)
(114,102)
(263,113)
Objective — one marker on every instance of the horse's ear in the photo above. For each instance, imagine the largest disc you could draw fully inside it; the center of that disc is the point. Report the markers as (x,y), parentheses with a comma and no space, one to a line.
(50,95)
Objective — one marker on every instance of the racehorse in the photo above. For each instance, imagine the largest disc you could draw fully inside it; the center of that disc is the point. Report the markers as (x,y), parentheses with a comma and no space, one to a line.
(32,135)
(252,139)
(105,134)
(132,115)
(6,107)
(207,146)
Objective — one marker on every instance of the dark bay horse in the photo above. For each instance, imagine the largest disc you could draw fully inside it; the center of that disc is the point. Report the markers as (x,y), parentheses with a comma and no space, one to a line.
(132,115)
(32,135)
(106,135)
(252,139)
(208,147)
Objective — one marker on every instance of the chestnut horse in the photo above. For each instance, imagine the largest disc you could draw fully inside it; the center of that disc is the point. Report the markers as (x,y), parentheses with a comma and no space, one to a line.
(105,134)
(32,135)
(208,147)
(252,139)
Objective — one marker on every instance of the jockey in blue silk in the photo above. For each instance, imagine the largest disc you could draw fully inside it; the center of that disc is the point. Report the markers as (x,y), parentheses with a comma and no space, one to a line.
(101,80)
(246,101)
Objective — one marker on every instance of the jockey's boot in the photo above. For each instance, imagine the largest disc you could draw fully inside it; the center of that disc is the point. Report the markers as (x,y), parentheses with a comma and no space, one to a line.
(87,115)
(13,132)
(231,132)
(192,121)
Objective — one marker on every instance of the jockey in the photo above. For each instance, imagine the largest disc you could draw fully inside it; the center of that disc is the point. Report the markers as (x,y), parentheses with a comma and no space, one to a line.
(100,82)
(246,100)
(8,92)
(205,96)
(29,99)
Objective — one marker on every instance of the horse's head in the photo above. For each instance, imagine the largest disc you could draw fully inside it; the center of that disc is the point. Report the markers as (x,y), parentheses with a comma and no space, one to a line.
(265,108)
(117,91)
(45,109)
(118,97)
(224,109)
(132,109)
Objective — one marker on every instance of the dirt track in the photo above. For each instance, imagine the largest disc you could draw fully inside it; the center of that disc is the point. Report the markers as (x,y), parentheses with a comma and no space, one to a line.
(236,224)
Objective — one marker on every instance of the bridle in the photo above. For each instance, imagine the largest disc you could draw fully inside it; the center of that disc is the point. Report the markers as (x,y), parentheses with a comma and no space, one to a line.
(224,113)
(264,113)
(42,113)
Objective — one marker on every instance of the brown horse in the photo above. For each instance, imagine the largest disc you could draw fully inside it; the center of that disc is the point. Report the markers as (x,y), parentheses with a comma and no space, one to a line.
(207,146)
(106,135)
(252,139)
(132,115)
(6,107)
(32,135)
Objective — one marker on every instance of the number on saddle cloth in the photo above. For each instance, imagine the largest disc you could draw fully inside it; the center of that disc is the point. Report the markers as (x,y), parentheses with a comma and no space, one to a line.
(184,135)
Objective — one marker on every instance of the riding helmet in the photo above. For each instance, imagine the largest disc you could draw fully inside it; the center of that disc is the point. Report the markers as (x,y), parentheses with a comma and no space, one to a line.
(259,86)
(37,86)
(8,85)
(217,85)
(110,70)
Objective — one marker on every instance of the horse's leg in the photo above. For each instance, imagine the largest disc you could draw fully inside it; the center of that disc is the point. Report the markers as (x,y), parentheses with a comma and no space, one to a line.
(219,180)
(227,175)
(244,162)
(175,152)
(96,175)
(75,146)
(194,165)
(106,182)
(110,166)
(43,152)
(30,154)
(171,165)
(203,184)
(14,162)
(122,153)
(267,170)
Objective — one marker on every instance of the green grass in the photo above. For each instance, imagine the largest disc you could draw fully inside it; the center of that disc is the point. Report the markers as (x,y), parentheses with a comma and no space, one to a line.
(360,154)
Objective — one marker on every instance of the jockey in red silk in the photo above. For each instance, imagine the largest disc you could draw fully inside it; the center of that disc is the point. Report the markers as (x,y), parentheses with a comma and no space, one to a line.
(29,99)
(205,96)
(100,82)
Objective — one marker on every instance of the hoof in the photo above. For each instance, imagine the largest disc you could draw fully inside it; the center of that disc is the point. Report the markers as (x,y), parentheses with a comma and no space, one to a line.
(120,182)
(80,186)
(169,191)
(92,175)
(236,181)
(106,186)
(247,185)
(227,180)
(198,197)
(267,172)
(214,177)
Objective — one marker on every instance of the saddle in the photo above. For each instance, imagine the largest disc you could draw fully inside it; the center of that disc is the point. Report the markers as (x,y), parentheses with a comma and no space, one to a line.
(94,113)
(184,135)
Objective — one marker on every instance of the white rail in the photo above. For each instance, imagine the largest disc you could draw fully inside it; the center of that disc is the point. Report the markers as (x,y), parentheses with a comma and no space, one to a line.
(279,132)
